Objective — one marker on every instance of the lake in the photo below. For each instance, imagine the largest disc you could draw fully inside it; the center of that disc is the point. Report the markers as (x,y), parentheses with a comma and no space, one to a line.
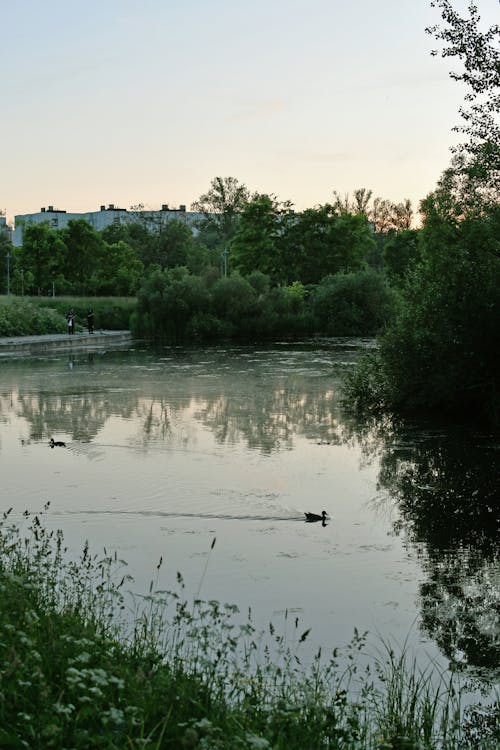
(168,450)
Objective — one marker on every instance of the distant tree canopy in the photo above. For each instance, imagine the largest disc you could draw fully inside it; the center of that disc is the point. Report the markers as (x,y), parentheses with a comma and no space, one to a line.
(221,207)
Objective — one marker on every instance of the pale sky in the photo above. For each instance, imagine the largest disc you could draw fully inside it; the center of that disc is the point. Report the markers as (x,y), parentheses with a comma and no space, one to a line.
(128,101)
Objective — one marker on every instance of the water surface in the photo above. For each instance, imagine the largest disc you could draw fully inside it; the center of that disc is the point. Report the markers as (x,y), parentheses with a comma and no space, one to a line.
(168,450)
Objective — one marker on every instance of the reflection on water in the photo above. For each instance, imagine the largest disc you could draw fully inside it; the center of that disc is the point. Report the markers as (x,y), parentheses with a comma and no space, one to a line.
(166,449)
(446,490)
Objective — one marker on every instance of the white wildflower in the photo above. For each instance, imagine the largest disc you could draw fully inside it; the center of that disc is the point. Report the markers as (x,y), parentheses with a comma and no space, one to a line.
(82,658)
(256,743)
(64,710)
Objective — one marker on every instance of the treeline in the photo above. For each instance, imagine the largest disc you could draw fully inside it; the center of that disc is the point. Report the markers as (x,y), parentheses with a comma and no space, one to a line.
(251,268)
(239,232)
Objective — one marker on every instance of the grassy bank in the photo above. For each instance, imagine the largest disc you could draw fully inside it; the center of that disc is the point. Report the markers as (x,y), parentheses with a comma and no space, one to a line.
(25,316)
(81,668)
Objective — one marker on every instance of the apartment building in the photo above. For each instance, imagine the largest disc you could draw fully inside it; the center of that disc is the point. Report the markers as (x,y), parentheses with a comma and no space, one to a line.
(106,216)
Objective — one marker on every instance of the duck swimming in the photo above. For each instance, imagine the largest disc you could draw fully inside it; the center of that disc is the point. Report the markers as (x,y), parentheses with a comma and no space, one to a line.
(57,443)
(311,517)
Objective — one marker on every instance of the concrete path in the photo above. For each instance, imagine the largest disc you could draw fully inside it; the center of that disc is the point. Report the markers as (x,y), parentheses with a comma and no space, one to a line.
(24,346)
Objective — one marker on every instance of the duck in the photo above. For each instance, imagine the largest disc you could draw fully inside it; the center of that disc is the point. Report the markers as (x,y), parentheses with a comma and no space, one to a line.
(311,517)
(57,443)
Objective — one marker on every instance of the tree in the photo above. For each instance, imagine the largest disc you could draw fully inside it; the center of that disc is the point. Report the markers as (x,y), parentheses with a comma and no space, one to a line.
(234,301)
(320,241)
(401,252)
(221,207)
(440,352)
(175,244)
(120,271)
(168,304)
(85,250)
(480,57)
(42,258)
(137,234)
(384,215)
(391,217)
(362,198)
(256,246)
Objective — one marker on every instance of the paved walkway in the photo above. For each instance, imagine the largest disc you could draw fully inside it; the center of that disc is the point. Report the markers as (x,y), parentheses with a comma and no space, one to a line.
(62,342)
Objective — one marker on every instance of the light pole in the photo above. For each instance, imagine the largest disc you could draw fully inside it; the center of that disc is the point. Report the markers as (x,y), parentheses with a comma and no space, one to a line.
(8,273)
(22,282)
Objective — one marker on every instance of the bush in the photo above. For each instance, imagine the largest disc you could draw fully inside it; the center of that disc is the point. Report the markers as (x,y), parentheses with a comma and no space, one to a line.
(168,303)
(234,301)
(353,304)
(21,318)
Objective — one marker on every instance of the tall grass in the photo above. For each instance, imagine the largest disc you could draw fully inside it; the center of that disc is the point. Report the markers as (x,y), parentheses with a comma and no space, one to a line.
(83,664)
(111,313)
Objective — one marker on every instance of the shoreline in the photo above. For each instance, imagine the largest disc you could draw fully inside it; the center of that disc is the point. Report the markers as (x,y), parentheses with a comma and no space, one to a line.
(23,346)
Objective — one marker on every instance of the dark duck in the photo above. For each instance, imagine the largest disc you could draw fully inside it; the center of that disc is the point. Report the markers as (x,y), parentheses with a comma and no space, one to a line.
(312,517)
(57,443)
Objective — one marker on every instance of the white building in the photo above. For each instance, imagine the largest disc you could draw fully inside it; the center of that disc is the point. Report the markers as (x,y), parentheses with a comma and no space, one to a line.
(106,216)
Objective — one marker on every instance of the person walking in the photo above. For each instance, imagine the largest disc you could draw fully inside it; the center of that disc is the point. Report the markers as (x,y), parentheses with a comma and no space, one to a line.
(90,320)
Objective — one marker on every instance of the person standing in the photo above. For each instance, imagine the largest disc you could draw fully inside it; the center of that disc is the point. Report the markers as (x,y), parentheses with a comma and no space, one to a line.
(70,317)
(90,320)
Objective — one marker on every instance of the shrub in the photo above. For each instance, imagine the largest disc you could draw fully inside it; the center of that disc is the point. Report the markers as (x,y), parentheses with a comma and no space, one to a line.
(21,318)
(168,303)
(353,304)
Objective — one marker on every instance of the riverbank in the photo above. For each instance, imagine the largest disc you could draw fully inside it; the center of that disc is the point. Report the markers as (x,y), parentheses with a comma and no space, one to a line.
(25,346)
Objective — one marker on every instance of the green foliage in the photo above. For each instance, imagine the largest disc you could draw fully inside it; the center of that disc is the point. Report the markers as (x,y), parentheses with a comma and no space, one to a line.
(353,303)
(234,301)
(221,206)
(401,253)
(319,242)
(256,244)
(20,318)
(440,351)
(119,273)
(479,53)
(85,252)
(43,256)
(74,260)
(168,302)
(356,304)
(73,673)
(111,313)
